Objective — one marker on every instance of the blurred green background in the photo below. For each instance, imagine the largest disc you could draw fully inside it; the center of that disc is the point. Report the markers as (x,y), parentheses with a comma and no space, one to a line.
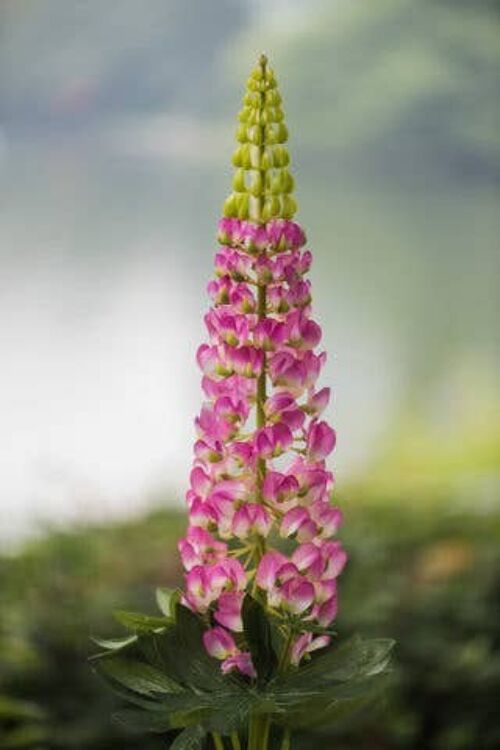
(116,129)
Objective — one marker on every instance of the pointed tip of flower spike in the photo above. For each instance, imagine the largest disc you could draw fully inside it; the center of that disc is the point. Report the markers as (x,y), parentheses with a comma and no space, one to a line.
(262,184)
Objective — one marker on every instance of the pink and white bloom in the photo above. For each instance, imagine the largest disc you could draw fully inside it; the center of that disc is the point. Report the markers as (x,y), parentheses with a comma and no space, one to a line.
(219,643)
(321,441)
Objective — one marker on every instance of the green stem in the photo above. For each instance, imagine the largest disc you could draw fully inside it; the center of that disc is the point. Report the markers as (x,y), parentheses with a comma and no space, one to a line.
(257,734)
(235,741)
(285,654)
(218,743)
(287,740)
(265,731)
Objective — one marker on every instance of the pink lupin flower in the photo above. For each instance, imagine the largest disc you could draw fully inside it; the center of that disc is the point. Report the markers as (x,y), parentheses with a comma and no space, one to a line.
(228,611)
(219,643)
(268,568)
(280,489)
(293,520)
(321,441)
(297,595)
(334,558)
(283,407)
(305,644)
(269,334)
(251,518)
(327,519)
(241,662)
(317,401)
(302,333)
(247,361)
(271,442)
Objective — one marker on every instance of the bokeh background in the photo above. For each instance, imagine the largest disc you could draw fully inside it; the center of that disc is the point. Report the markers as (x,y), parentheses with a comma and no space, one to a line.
(116,130)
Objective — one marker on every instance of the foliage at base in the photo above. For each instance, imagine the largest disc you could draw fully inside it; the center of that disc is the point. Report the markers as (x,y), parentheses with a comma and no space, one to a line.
(175,688)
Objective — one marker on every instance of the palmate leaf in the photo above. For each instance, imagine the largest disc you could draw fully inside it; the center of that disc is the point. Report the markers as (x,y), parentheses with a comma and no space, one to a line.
(174,684)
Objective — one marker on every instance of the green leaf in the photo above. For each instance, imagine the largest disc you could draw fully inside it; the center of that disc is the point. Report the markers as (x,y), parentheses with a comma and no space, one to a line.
(115,644)
(336,705)
(258,635)
(142,721)
(167,600)
(140,623)
(25,737)
(12,709)
(340,663)
(137,676)
(311,627)
(190,739)
(231,713)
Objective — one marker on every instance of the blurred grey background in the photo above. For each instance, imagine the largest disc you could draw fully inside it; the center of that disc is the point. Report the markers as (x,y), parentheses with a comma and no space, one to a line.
(116,131)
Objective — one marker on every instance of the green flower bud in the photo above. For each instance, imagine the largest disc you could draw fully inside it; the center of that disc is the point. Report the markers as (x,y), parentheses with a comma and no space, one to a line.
(241,133)
(255,134)
(239,181)
(264,193)
(287,182)
(253,85)
(254,152)
(272,97)
(281,158)
(256,184)
(230,208)
(266,159)
(266,211)
(279,115)
(237,161)
(245,156)
(242,205)
(289,207)
(275,184)
(251,99)
(245,113)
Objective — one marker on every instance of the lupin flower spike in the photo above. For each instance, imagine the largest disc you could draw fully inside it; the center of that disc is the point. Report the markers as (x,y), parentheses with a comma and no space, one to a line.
(259,468)
(248,643)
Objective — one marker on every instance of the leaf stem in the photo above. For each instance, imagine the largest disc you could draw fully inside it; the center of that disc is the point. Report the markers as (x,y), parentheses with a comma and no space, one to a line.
(235,741)
(218,743)
(286,742)
(285,654)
